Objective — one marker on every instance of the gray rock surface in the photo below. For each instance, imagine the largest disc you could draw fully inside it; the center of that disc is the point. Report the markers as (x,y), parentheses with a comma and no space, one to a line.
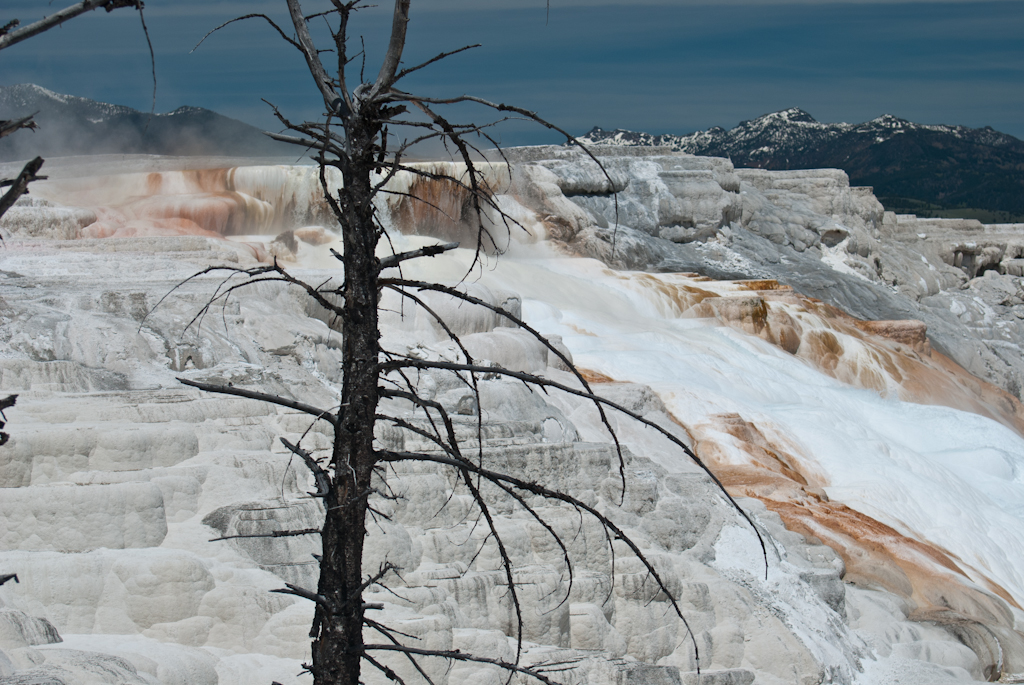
(807,229)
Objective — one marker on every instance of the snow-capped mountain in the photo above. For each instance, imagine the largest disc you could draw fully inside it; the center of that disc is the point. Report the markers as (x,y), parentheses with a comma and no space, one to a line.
(71,125)
(949,166)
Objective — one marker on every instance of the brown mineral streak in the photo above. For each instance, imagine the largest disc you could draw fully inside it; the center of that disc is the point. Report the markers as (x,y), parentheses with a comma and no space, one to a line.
(876,555)
(595,376)
(439,211)
(878,355)
(884,356)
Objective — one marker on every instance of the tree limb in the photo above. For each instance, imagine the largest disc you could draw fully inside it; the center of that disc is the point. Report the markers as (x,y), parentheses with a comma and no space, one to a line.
(5,403)
(399,24)
(399,284)
(388,673)
(7,127)
(536,489)
(428,251)
(309,51)
(253,395)
(58,18)
(304,593)
(247,16)
(271,534)
(405,72)
(19,186)
(456,655)
(323,481)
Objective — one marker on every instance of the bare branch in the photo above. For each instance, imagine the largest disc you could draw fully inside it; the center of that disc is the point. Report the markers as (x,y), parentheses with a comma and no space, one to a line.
(388,673)
(58,18)
(304,593)
(537,489)
(544,382)
(399,24)
(501,311)
(301,142)
(264,397)
(19,186)
(532,116)
(456,655)
(323,481)
(8,127)
(248,16)
(428,251)
(5,403)
(390,635)
(272,534)
(309,51)
(405,72)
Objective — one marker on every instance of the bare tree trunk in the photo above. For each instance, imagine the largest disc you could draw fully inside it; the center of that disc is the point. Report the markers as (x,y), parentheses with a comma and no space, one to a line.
(339,646)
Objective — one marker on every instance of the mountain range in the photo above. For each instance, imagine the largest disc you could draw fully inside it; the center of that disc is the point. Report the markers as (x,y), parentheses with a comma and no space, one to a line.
(923,169)
(71,125)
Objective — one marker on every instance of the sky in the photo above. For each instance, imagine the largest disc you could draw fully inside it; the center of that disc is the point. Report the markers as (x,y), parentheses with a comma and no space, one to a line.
(660,66)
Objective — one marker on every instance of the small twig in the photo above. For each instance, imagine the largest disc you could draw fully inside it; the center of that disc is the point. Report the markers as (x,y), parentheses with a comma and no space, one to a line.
(405,72)
(456,655)
(247,16)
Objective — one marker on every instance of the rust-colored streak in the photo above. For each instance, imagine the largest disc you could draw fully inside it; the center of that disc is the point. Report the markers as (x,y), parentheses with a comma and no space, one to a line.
(879,556)
(889,357)
(209,180)
(754,462)
(763,284)
(591,376)
(582,331)
(436,208)
(678,298)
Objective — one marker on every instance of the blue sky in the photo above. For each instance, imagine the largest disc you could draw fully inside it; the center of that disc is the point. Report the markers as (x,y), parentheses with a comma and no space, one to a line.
(659,66)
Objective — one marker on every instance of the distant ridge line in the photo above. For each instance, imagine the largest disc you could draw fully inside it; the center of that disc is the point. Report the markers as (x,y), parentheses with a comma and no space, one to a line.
(70,125)
(920,168)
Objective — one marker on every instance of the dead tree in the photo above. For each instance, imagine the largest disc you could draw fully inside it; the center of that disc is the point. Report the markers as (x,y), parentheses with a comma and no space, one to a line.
(356,137)
(11,34)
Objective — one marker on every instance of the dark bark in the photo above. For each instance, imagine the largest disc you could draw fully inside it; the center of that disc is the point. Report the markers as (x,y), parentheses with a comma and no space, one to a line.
(19,186)
(337,650)
(9,126)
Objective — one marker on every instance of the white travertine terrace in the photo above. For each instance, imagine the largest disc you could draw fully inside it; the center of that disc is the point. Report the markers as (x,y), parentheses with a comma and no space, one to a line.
(887,476)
